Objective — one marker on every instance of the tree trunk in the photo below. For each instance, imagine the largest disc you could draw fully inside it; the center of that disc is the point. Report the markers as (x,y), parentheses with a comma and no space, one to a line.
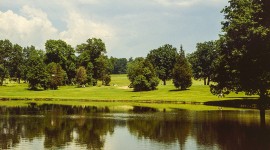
(263,94)
(208,80)
(262,117)
(164,82)
(204,79)
(1,81)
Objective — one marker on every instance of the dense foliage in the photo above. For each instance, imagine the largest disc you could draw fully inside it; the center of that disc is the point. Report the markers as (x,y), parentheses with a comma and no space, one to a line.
(81,76)
(56,65)
(56,75)
(182,74)
(142,75)
(203,61)
(245,48)
(60,52)
(92,58)
(119,65)
(5,54)
(36,70)
(163,60)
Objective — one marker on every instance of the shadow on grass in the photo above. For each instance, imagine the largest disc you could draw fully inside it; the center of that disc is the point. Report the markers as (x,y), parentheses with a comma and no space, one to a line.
(145,91)
(243,102)
(243,98)
(35,89)
(39,89)
(178,90)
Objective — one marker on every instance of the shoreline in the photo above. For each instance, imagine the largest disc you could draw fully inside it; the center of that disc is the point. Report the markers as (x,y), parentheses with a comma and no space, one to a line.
(222,104)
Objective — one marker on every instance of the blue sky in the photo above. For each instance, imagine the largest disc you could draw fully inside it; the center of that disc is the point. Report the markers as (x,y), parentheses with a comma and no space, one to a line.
(129,28)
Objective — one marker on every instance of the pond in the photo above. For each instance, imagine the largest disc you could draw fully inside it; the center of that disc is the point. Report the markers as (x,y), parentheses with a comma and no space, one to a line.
(70,127)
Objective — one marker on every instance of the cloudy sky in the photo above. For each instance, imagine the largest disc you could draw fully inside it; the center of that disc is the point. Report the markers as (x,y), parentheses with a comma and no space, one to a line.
(129,28)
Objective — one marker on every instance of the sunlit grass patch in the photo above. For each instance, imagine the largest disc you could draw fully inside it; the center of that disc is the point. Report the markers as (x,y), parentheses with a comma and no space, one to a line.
(118,93)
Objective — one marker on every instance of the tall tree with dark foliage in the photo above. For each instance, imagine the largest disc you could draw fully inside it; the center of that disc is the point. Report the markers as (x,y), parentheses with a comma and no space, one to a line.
(245,48)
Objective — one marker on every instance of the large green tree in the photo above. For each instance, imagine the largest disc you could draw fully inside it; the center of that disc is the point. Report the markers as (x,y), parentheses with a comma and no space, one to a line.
(81,76)
(3,74)
(27,51)
(5,54)
(56,75)
(103,73)
(163,60)
(84,60)
(202,61)
(142,75)
(60,52)
(182,74)
(37,74)
(245,48)
(16,62)
(92,57)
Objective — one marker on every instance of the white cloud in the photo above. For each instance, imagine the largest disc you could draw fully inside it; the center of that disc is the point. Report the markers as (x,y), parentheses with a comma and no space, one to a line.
(30,12)
(128,27)
(79,29)
(81,26)
(188,3)
(88,1)
(31,28)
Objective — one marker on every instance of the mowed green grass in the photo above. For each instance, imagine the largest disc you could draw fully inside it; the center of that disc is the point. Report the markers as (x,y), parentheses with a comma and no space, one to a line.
(115,95)
(117,91)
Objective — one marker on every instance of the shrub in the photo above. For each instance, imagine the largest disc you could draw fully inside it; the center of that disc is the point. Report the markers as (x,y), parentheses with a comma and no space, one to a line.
(182,74)
(81,76)
(142,75)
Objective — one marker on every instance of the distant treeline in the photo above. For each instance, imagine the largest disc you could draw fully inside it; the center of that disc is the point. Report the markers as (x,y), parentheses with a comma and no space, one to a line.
(58,64)
(86,64)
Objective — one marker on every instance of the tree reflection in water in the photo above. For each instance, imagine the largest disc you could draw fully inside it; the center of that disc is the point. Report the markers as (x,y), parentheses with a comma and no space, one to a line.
(89,127)
(56,124)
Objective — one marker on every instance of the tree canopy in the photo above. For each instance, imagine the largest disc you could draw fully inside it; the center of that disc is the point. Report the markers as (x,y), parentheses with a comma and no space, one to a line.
(81,76)
(142,75)
(56,75)
(16,62)
(36,70)
(245,48)
(119,65)
(182,74)
(5,56)
(56,65)
(163,60)
(92,57)
(60,52)
(203,61)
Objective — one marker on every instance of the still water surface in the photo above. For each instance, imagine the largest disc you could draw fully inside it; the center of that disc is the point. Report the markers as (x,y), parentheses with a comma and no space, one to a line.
(66,127)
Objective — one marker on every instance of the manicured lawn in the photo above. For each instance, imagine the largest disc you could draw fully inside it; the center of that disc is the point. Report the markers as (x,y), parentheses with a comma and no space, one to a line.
(116,94)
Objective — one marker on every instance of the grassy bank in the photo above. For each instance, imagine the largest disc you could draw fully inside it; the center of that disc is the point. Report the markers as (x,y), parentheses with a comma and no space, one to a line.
(116,94)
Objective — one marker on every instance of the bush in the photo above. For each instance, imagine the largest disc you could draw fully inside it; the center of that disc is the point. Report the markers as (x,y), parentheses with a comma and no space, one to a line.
(81,76)
(140,83)
(142,75)
(107,80)
(182,74)
(182,78)
(56,75)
